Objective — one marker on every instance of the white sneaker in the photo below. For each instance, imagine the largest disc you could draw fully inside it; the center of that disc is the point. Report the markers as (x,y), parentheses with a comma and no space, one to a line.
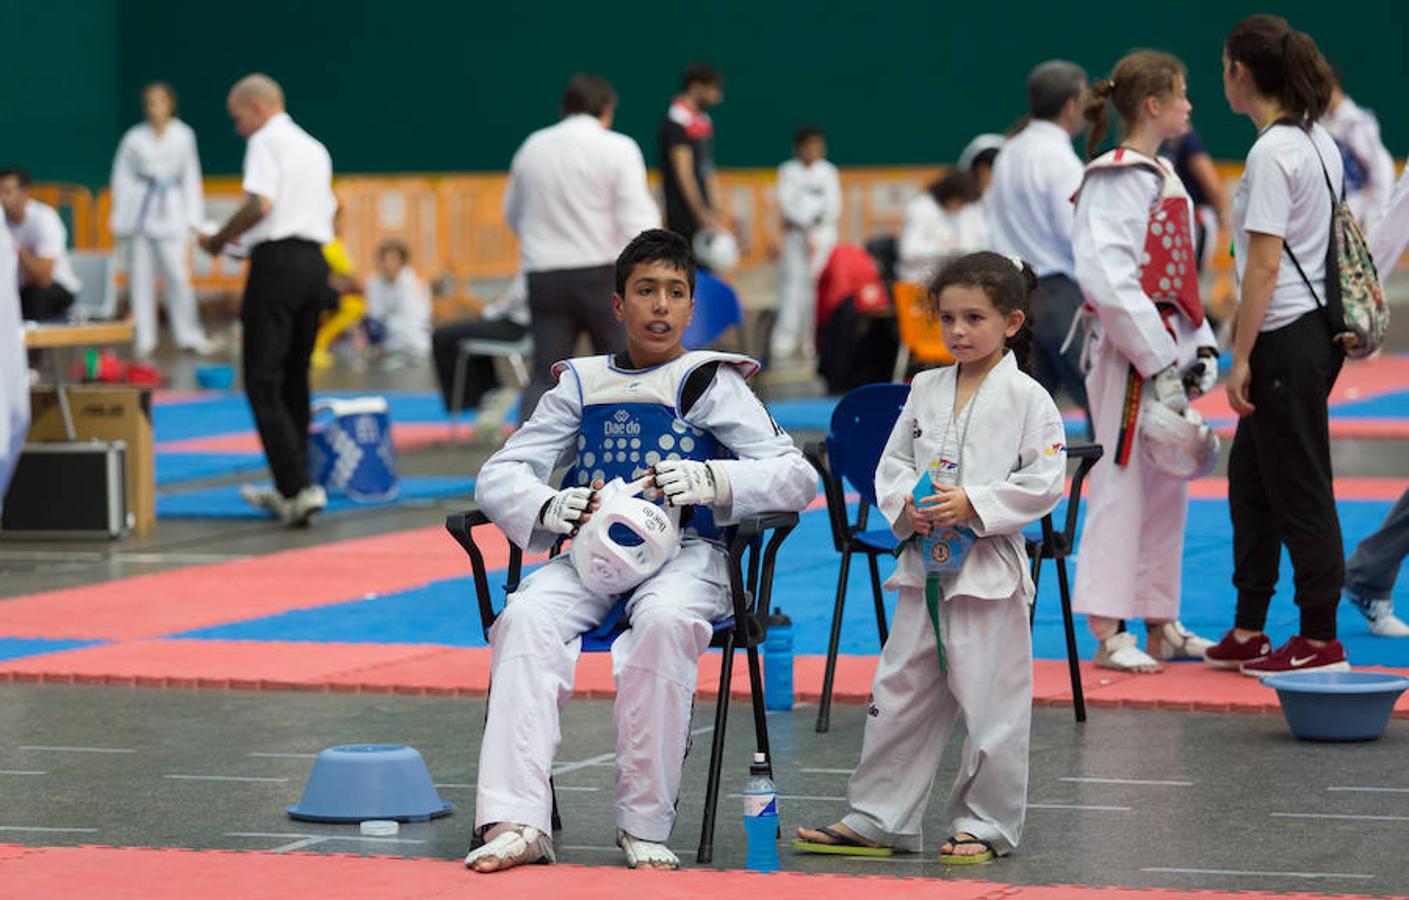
(266,498)
(1178,642)
(204,347)
(302,506)
(1380,614)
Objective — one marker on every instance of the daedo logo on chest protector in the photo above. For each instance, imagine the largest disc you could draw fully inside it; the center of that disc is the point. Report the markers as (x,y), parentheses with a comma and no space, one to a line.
(621,425)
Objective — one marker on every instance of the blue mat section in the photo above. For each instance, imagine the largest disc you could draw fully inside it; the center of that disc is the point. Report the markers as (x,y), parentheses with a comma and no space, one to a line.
(444,612)
(225,502)
(18,648)
(1386,406)
(177,467)
(229,413)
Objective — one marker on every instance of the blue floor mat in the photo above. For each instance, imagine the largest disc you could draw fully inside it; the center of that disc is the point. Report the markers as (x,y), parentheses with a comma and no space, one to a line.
(225,502)
(229,413)
(177,467)
(16,648)
(1385,406)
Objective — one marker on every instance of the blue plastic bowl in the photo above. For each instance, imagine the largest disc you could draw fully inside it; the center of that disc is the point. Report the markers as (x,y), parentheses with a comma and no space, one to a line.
(356,782)
(1337,706)
(215,377)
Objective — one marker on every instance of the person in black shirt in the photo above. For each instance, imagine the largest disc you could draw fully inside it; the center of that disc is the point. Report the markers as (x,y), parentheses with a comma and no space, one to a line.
(687,153)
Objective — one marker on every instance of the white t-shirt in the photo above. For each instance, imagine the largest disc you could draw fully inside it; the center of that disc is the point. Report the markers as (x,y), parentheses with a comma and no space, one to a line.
(1283,193)
(932,234)
(43,233)
(288,167)
(1029,202)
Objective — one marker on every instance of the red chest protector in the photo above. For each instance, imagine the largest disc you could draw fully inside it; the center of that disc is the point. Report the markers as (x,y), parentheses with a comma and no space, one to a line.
(1167,273)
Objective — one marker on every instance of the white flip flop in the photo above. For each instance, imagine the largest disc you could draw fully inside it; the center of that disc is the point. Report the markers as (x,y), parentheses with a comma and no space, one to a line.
(1178,642)
(1120,653)
(642,854)
(515,847)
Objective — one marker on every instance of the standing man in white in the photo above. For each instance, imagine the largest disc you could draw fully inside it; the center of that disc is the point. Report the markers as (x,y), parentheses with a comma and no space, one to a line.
(577,194)
(14,367)
(1031,214)
(288,214)
(157,203)
(809,200)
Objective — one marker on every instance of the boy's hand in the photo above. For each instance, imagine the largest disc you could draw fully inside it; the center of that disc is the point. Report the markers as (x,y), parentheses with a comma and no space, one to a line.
(686,482)
(568,509)
(951,506)
(916,518)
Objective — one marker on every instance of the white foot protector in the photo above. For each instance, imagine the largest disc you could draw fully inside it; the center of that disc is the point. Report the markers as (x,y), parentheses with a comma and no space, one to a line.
(1178,642)
(1120,653)
(514,847)
(641,854)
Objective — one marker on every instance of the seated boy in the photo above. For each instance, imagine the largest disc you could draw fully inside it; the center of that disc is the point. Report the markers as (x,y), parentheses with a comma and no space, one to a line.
(717,456)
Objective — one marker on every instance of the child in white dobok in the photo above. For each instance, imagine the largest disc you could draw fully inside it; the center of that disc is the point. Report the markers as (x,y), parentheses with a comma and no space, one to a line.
(689,419)
(985,446)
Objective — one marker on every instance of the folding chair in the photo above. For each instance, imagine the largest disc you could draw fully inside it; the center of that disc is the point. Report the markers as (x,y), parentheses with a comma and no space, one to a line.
(751,557)
(920,339)
(861,424)
(97,298)
(717,309)
(1044,542)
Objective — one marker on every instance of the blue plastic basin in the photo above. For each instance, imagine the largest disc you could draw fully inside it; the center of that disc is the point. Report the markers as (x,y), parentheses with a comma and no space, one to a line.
(356,782)
(215,377)
(1337,706)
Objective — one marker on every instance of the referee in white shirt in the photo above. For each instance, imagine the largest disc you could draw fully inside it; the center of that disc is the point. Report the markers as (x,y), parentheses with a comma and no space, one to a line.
(288,212)
(577,195)
(1031,213)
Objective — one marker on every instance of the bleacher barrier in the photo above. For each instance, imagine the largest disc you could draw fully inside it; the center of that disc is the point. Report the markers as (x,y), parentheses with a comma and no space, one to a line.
(453,224)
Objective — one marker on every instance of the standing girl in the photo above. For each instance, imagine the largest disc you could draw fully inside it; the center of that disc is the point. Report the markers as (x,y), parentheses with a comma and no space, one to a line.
(987,444)
(1285,360)
(1137,266)
(157,202)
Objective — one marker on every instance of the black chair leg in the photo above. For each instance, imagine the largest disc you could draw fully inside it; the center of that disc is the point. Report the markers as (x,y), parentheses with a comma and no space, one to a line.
(879,599)
(553,792)
(1036,566)
(824,706)
(1078,698)
(716,752)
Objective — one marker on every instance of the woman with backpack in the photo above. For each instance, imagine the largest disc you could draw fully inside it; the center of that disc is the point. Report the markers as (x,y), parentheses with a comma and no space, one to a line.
(1285,354)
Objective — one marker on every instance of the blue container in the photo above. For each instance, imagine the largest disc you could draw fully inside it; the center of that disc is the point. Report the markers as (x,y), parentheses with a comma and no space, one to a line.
(350,450)
(1337,706)
(357,782)
(215,377)
(778,663)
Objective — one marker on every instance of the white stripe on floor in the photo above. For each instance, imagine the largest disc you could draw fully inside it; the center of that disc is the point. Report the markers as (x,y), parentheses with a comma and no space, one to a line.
(1346,816)
(605,759)
(46,749)
(1079,806)
(1257,874)
(1082,780)
(22,772)
(48,830)
(239,778)
(284,755)
(827,771)
(1371,790)
(801,797)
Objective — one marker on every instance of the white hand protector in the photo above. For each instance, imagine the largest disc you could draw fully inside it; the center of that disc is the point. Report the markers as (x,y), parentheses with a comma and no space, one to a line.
(686,482)
(1202,376)
(626,541)
(1169,389)
(1180,445)
(565,508)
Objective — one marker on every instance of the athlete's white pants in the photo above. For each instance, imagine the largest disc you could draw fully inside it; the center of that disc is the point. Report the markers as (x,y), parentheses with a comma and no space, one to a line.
(987,683)
(536,643)
(1132,543)
(14,396)
(167,257)
(798,267)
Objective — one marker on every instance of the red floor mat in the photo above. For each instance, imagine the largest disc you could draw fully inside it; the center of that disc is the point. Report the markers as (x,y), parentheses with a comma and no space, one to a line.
(158,874)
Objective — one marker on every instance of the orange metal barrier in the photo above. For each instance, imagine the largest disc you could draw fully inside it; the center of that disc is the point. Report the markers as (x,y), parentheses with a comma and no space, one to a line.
(75,203)
(921,341)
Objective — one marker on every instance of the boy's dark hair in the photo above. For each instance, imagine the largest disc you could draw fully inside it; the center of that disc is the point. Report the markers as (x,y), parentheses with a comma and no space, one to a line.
(984,158)
(1051,85)
(701,73)
(18,174)
(590,94)
(805,134)
(655,245)
(397,246)
(1286,66)
(955,185)
(1009,284)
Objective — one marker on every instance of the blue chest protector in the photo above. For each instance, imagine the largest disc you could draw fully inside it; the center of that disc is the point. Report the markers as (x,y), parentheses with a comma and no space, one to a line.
(631,420)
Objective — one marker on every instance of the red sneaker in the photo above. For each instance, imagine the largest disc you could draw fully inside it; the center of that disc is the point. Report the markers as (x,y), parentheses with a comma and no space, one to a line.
(1231,653)
(1299,655)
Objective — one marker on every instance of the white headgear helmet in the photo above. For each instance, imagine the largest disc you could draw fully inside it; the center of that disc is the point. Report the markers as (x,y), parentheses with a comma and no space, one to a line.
(716,249)
(626,541)
(1179,445)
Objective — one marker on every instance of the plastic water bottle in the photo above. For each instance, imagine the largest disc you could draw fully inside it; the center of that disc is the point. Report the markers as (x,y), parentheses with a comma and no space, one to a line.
(778,663)
(761,817)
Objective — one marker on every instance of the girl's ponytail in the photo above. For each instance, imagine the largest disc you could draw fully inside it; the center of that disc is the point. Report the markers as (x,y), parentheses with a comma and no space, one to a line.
(1097,113)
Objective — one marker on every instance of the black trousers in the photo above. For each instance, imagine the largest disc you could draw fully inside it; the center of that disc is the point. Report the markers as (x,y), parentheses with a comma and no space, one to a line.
(1279,479)
(285,291)
(479,370)
(45,304)
(564,303)
(1057,303)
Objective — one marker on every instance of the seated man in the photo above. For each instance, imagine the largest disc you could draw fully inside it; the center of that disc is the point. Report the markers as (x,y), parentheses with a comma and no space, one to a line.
(47,281)
(505,319)
(688,418)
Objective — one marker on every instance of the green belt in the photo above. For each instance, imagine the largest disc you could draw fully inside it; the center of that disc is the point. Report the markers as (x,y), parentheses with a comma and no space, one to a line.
(931,600)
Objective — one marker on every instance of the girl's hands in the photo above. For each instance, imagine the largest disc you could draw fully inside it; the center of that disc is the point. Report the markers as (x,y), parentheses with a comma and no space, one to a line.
(948,505)
(915,518)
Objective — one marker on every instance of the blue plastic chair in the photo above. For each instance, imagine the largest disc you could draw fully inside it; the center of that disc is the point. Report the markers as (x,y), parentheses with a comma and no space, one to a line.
(717,309)
(752,552)
(861,425)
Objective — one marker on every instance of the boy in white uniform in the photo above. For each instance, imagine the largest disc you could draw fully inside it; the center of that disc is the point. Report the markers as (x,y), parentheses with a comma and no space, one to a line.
(689,417)
(809,200)
(398,309)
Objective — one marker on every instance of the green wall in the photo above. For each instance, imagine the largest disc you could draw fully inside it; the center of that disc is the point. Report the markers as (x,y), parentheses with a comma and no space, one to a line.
(421,85)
